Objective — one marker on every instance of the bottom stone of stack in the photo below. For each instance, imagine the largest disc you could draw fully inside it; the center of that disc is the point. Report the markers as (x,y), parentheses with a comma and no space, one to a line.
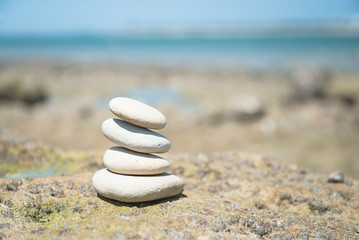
(126,188)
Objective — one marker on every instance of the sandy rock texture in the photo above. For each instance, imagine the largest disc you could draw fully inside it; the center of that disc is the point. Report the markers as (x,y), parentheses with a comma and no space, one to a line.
(227,195)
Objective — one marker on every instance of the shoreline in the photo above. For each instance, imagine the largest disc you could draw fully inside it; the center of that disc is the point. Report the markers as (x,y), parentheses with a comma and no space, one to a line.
(258,52)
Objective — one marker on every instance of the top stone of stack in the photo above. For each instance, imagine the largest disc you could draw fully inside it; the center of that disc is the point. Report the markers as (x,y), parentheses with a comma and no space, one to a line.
(137,113)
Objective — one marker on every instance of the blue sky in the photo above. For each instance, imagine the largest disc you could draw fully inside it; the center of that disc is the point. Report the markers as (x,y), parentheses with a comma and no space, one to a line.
(68,16)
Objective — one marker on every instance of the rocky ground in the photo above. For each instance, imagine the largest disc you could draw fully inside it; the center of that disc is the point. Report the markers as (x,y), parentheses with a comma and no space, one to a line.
(229,195)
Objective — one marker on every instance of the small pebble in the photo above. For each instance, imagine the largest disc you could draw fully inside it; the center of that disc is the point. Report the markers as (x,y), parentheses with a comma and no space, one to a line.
(8,203)
(260,230)
(285,196)
(336,177)
(11,187)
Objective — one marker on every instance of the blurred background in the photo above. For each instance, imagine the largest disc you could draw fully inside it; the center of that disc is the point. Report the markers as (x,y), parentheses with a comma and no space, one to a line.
(278,77)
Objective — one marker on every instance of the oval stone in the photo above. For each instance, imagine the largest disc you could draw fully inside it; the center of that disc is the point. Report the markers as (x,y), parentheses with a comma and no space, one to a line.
(126,188)
(137,113)
(133,137)
(125,161)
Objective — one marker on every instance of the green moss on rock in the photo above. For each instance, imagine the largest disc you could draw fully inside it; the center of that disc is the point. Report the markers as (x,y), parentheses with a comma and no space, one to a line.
(227,195)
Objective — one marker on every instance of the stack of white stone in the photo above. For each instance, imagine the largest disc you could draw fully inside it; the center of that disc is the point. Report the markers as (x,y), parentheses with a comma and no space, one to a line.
(132,173)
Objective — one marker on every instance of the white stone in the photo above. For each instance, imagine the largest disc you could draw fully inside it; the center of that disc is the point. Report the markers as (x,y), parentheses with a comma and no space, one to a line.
(125,161)
(137,113)
(127,188)
(133,137)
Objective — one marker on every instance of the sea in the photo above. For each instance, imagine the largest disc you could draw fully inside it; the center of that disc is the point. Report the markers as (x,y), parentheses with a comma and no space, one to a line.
(339,53)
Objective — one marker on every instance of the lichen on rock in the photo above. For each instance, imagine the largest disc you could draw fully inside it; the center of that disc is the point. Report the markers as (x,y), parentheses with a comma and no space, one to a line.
(227,195)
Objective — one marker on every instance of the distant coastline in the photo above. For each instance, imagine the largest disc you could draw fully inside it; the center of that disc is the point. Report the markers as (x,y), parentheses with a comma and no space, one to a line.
(277,48)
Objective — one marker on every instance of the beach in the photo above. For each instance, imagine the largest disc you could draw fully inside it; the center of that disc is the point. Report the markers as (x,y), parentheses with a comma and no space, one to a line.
(185,120)
(209,109)
(256,134)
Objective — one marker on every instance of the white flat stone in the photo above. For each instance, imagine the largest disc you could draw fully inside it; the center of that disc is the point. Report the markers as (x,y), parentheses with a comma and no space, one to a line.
(127,188)
(125,161)
(137,113)
(133,137)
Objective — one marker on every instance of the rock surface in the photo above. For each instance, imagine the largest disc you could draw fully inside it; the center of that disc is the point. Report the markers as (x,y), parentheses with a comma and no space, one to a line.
(122,160)
(133,137)
(137,113)
(126,188)
(228,195)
